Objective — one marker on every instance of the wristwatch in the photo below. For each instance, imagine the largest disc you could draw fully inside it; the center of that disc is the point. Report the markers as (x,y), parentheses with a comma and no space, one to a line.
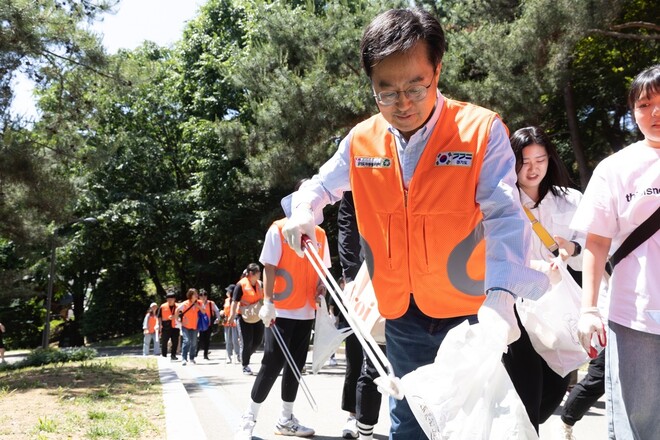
(578,249)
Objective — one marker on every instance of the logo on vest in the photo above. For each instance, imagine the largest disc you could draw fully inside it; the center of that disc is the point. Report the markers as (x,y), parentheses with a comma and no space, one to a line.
(454,158)
(373,162)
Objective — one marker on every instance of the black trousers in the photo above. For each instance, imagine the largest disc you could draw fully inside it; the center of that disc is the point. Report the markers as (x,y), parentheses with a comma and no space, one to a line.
(540,389)
(204,341)
(586,392)
(169,334)
(296,334)
(354,358)
(368,396)
(251,334)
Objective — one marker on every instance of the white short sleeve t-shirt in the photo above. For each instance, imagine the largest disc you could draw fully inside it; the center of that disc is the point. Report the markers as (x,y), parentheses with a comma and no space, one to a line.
(270,254)
(623,192)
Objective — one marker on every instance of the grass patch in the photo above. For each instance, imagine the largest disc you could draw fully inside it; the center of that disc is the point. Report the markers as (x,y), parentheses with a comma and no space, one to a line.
(124,341)
(109,398)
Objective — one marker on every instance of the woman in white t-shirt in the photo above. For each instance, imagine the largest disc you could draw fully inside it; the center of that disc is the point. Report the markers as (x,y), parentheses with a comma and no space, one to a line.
(543,184)
(623,192)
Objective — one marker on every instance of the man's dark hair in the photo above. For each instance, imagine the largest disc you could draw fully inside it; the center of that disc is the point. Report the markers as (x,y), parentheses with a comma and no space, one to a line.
(557,174)
(398,31)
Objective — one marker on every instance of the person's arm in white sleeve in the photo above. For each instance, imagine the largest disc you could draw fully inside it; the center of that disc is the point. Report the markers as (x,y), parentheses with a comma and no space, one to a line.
(506,231)
(304,208)
(506,227)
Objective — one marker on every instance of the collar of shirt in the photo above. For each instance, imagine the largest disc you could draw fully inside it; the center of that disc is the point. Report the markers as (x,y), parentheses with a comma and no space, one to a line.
(410,151)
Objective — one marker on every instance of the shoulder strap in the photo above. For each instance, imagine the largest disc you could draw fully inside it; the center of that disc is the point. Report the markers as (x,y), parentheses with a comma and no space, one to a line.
(641,233)
(543,234)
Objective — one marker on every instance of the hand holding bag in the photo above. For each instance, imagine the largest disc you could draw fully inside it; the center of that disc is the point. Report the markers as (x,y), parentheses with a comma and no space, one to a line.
(551,322)
(466,393)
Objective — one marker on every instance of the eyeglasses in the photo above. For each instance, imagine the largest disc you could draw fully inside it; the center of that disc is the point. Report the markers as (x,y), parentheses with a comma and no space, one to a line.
(414,93)
(202,294)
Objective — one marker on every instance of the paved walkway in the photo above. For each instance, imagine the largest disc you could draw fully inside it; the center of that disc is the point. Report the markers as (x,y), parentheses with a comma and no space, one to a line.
(211,396)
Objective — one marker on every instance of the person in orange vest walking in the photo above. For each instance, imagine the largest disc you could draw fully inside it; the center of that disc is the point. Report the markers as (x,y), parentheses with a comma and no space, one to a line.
(212,311)
(168,329)
(248,293)
(187,316)
(150,328)
(291,286)
(433,183)
(232,341)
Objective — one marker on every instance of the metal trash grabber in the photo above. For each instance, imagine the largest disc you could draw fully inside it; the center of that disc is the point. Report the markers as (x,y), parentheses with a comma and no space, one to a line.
(292,364)
(387,382)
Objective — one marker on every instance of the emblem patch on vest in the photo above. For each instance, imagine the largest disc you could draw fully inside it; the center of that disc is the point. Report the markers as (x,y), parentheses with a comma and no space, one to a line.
(373,162)
(454,158)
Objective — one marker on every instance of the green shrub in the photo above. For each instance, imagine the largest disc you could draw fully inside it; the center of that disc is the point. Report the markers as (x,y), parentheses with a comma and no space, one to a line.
(46,356)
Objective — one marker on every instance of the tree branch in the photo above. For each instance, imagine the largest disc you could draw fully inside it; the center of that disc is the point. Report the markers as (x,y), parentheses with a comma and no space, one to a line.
(635,25)
(78,63)
(624,36)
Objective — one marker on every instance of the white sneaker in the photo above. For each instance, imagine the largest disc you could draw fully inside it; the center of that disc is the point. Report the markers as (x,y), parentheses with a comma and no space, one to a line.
(245,427)
(332,362)
(565,432)
(293,428)
(229,360)
(350,428)
(184,362)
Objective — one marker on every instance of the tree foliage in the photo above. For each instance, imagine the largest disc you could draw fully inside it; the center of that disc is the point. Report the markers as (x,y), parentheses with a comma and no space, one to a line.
(184,154)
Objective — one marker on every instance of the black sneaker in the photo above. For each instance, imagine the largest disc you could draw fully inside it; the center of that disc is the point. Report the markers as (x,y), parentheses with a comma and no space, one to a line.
(174,358)
(247,371)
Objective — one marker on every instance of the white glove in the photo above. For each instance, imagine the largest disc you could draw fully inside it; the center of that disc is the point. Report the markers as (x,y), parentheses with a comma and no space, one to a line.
(498,318)
(267,313)
(300,222)
(591,323)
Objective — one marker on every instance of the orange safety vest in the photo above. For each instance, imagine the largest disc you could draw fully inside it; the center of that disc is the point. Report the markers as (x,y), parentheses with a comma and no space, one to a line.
(426,240)
(188,317)
(167,315)
(295,278)
(227,310)
(207,309)
(250,295)
(151,323)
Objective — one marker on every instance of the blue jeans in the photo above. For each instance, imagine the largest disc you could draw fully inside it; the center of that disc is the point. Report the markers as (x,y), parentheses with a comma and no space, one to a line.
(632,383)
(148,339)
(413,341)
(189,343)
(231,342)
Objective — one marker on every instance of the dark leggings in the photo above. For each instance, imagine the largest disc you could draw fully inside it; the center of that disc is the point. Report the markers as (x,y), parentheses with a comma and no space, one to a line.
(204,341)
(354,358)
(586,392)
(296,334)
(251,334)
(368,396)
(540,389)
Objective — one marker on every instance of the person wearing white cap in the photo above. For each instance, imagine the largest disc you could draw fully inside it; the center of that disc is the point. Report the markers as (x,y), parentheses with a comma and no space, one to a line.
(150,330)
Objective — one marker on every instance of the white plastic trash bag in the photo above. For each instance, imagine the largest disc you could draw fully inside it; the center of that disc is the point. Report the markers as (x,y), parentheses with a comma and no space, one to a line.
(466,394)
(327,338)
(551,322)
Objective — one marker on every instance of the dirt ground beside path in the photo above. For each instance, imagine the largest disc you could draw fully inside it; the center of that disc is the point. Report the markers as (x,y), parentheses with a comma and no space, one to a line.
(104,398)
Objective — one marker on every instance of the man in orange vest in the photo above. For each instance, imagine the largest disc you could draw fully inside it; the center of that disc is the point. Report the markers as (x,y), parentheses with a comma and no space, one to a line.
(433,181)
(167,322)
(291,286)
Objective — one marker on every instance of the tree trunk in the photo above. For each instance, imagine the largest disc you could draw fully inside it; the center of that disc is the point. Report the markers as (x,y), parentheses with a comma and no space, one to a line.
(576,143)
(152,268)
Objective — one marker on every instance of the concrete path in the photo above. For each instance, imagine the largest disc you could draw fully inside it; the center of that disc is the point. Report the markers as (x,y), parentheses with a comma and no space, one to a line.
(211,396)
